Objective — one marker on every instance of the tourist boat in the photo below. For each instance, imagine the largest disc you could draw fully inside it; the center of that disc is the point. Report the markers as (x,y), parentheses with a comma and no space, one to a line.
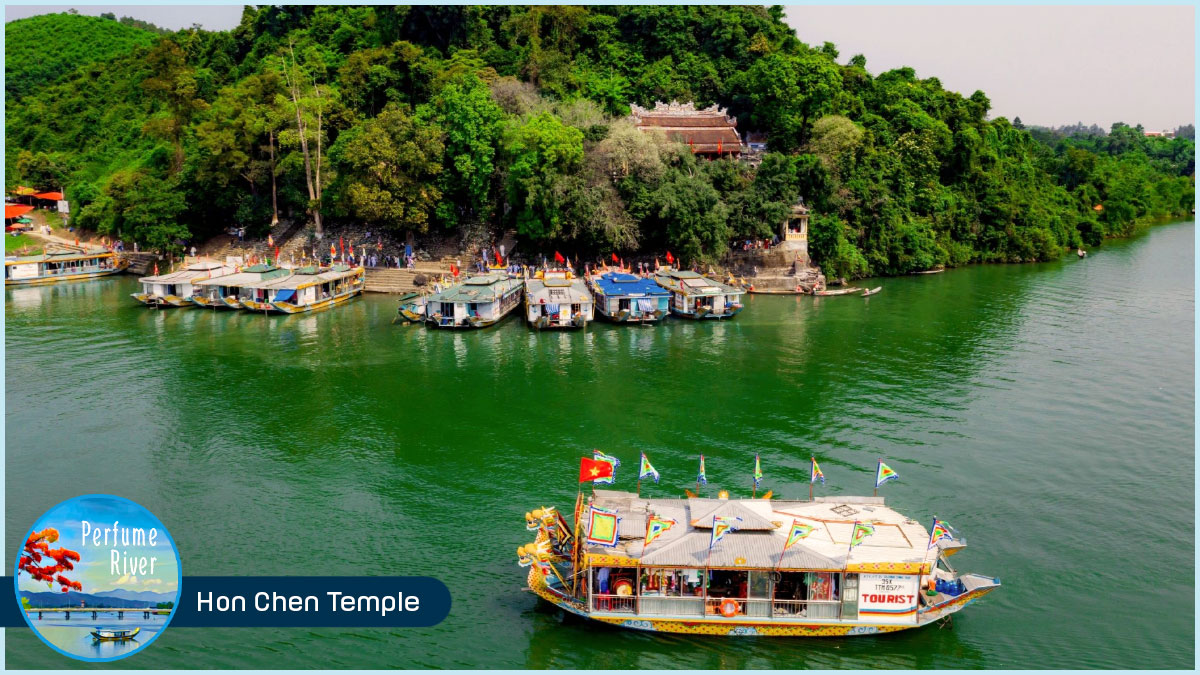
(305,290)
(68,264)
(556,299)
(695,296)
(478,302)
(115,633)
(750,581)
(229,292)
(872,291)
(175,289)
(627,298)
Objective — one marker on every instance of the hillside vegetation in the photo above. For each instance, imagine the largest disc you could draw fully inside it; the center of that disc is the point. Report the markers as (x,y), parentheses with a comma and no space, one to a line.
(452,118)
(41,49)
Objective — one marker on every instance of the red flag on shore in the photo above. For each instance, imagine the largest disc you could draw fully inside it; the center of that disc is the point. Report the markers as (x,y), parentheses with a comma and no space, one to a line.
(614,257)
(276,255)
(156,269)
(454,269)
(670,258)
(342,247)
(332,251)
(592,469)
(558,257)
(499,260)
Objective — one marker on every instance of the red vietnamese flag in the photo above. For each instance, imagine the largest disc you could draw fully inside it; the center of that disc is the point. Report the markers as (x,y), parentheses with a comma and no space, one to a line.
(558,257)
(454,269)
(332,251)
(276,255)
(592,469)
(670,258)
(342,247)
(499,260)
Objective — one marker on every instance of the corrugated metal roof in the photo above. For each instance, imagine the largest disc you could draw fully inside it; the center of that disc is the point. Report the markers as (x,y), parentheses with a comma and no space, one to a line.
(702,512)
(189,274)
(246,278)
(557,290)
(483,288)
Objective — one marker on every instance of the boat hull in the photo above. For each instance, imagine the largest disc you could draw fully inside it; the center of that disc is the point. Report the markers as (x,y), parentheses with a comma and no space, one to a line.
(84,276)
(289,308)
(738,627)
(471,323)
(705,315)
(161,302)
(207,303)
(625,317)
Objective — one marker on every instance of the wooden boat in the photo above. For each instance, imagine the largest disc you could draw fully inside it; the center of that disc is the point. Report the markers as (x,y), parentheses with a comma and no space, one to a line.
(412,307)
(478,302)
(747,583)
(872,291)
(837,291)
(175,289)
(695,296)
(66,264)
(936,271)
(229,292)
(627,298)
(116,633)
(305,290)
(777,291)
(557,300)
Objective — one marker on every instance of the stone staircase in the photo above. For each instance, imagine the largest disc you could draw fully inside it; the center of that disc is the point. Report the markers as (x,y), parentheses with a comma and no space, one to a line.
(142,264)
(381,280)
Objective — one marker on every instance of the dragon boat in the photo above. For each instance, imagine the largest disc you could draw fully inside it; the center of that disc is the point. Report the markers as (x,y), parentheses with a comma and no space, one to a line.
(67,263)
(175,289)
(307,289)
(747,566)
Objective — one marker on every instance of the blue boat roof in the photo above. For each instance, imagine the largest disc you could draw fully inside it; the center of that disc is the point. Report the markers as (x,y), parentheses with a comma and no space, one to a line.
(615,284)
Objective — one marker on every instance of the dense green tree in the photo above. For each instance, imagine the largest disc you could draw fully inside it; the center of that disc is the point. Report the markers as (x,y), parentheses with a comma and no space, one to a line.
(542,153)
(473,126)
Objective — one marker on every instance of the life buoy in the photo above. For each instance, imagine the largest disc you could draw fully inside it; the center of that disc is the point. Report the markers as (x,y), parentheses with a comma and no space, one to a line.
(729,608)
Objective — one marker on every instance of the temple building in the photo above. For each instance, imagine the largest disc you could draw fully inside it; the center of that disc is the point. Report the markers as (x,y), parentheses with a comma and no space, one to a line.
(711,132)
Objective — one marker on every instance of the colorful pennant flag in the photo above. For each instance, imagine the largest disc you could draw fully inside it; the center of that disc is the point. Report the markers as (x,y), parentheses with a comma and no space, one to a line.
(815,474)
(702,479)
(647,470)
(861,531)
(612,476)
(884,473)
(593,470)
(939,532)
(602,526)
(657,527)
(757,471)
(722,525)
(799,531)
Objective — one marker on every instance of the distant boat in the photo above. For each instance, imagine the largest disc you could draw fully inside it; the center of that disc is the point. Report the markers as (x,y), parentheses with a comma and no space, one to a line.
(837,291)
(115,633)
(936,271)
(478,302)
(873,291)
(556,299)
(627,298)
(69,265)
(175,289)
(695,296)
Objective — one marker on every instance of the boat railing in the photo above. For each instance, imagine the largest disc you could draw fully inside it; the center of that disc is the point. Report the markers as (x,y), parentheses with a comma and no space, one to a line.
(808,609)
(613,603)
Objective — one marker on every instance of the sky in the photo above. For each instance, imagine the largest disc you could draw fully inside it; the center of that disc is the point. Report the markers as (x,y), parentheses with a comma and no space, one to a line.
(1049,65)
(94,569)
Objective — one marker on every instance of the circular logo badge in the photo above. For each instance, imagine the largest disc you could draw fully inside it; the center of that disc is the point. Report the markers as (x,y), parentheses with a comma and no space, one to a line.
(98,578)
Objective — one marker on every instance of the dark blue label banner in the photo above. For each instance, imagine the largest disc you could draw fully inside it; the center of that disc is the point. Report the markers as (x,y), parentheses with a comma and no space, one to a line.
(295,602)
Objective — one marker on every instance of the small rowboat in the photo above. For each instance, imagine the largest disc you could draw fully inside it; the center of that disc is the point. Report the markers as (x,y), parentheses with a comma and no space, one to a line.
(873,291)
(839,291)
(936,271)
(115,633)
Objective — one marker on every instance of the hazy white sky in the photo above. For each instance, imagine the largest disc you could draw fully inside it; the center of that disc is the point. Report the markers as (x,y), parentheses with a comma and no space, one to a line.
(1049,65)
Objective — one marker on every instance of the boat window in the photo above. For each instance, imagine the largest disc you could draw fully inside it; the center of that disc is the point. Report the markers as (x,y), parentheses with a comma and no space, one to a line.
(760,584)
(728,584)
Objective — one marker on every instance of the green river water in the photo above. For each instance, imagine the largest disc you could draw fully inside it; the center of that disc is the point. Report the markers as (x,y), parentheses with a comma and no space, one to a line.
(1046,411)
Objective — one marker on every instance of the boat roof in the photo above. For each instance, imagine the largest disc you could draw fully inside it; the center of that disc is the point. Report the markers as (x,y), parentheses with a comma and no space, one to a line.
(188,274)
(575,290)
(58,257)
(618,284)
(898,544)
(255,276)
(696,284)
(481,288)
(309,276)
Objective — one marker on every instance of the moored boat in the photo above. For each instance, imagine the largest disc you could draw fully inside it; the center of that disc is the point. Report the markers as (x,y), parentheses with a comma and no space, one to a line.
(836,291)
(772,568)
(175,289)
(872,291)
(627,298)
(230,291)
(116,633)
(412,307)
(306,289)
(478,302)
(695,296)
(556,299)
(69,264)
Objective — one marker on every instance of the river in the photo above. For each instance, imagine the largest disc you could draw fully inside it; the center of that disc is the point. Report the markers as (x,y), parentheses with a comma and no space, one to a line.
(1046,411)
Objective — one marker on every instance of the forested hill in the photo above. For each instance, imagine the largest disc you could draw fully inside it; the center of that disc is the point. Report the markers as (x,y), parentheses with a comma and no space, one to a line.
(41,49)
(474,118)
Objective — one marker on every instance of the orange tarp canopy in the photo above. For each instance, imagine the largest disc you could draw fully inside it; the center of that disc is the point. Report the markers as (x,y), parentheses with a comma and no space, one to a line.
(16,210)
(56,196)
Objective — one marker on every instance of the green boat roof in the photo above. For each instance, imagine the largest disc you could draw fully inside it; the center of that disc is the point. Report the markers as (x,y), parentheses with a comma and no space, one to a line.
(483,288)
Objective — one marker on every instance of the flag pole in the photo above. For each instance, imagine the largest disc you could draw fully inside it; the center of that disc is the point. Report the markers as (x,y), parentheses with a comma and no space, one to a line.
(875,492)
(575,547)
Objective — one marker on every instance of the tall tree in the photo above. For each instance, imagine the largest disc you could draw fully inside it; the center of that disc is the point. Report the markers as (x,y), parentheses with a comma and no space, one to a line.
(173,82)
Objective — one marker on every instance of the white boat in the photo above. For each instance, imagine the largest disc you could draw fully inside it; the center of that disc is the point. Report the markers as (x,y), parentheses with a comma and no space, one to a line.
(478,302)
(175,289)
(556,299)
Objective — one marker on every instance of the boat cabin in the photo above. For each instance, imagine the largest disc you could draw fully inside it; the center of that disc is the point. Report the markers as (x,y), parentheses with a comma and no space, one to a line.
(627,298)
(474,303)
(230,290)
(176,288)
(695,296)
(556,299)
(311,286)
